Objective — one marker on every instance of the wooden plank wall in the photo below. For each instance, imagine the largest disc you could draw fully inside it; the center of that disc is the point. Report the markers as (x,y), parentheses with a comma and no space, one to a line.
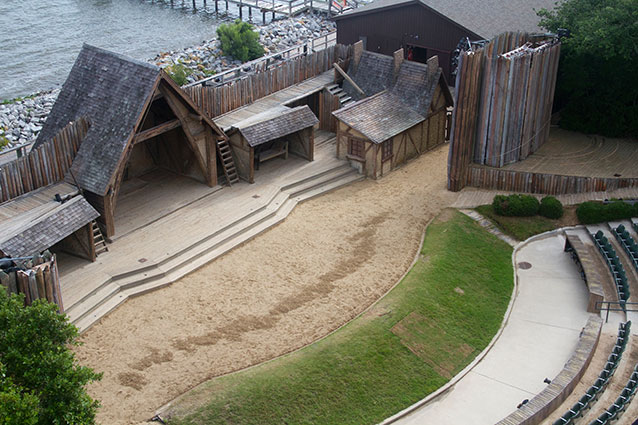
(506,115)
(219,100)
(328,103)
(551,184)
(38,279)
(42,166)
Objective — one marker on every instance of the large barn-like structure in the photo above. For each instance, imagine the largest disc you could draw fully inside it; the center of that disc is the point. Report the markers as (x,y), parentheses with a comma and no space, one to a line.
(425,28)
(140,121)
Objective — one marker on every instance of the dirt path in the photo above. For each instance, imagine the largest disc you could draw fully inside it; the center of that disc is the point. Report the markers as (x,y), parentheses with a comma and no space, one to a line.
(329,260)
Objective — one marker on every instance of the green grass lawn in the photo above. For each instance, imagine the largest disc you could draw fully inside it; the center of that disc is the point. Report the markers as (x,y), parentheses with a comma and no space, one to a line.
(520,228)
(409,344)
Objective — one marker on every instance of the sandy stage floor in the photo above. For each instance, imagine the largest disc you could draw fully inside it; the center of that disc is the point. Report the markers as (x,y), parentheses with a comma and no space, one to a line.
(328,261)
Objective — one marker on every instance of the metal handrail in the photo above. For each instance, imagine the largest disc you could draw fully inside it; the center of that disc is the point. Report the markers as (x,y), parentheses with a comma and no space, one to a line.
(622,307)
(301,49)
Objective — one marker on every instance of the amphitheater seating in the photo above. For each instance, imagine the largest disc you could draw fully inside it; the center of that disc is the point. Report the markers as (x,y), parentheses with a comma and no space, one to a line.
(614,264)
(627,242)
(614,411)
(593,393)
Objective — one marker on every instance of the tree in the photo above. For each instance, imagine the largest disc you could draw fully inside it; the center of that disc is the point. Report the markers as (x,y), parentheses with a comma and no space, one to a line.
(40,381)
(239,41)
(596,91)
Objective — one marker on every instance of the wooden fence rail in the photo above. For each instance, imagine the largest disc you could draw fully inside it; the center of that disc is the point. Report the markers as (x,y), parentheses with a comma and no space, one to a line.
(216,101)
(35,278)
(44,165)
(504,95)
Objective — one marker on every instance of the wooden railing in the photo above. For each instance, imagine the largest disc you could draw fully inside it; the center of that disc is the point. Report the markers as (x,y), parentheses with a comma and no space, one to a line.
(267,62)
(46,164)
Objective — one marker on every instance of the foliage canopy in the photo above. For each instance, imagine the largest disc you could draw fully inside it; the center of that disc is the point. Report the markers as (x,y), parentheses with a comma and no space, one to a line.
(595,88)
(239,41)
(40,381)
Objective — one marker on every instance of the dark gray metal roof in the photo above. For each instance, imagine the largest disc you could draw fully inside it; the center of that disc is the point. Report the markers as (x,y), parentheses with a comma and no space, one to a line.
(111,91)
(43,231)
(279,123)
(379,117)
(373,75)
(486,18)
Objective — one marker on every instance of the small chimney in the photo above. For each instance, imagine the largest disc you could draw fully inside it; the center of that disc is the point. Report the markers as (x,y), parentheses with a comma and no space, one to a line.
(358,51)
(433,66)
(398,60)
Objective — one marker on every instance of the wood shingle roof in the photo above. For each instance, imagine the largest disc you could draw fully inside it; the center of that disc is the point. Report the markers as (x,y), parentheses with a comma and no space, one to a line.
(111,91)
(280,122)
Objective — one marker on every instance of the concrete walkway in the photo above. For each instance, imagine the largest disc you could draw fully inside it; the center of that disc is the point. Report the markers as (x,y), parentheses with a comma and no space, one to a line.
(540,335)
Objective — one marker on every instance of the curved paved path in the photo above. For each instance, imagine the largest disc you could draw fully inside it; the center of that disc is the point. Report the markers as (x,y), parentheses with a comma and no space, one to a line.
(540,335)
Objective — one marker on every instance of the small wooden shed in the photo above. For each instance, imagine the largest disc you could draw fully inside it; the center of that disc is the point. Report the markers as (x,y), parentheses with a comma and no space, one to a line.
(272,134)
(35,221)
(140,120)
(382,131)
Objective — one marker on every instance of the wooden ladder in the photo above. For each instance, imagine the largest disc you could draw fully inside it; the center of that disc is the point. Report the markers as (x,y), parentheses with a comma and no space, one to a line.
(98,239)
(223,148)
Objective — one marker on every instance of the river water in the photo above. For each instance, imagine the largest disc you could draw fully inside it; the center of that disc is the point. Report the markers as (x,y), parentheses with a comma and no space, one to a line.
(39,39)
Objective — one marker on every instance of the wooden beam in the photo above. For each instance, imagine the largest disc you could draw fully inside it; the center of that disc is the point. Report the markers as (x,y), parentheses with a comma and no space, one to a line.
(157,130)
(347,77)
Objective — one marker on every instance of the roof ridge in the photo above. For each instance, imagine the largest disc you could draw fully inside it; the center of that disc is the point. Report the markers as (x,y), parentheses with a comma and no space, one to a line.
(120,56)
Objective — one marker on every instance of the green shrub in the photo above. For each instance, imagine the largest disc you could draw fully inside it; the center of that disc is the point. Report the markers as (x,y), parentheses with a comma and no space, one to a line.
(179,73)
(238,40)
(551,207)
(515,205)
(595,212)
(40,380)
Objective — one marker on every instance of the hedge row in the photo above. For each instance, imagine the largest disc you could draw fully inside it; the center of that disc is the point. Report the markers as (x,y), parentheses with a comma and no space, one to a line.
(595,212)
(527,206)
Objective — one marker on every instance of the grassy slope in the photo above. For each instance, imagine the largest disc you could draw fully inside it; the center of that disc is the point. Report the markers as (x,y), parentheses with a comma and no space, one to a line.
(365,372)
(521,228)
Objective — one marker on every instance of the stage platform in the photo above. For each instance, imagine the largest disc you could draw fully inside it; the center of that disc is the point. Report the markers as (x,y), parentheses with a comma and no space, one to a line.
(160,246)
(568,163)
(574,154)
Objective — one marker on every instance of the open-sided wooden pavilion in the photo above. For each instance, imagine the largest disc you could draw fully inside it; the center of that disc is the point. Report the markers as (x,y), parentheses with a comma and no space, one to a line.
(402,111)
(140,121)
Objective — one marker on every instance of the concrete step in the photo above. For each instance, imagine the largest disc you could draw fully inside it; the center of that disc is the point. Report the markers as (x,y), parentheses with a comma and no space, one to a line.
(335,184)
(325,179)
(317,178)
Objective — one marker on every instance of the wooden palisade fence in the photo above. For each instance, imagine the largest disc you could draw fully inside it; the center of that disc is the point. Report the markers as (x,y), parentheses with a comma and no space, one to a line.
(504,96)
(216,101)
(44,165)
(36,277)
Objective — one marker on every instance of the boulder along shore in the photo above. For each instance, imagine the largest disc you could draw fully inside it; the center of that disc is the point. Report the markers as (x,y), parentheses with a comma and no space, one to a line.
(21,119)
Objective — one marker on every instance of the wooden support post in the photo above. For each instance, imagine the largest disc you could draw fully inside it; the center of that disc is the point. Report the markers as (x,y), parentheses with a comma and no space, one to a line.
(216,7)
(250,13)
(240,10)
(194,5)
(347,77)
(226,6)
(204,4)
(263,16)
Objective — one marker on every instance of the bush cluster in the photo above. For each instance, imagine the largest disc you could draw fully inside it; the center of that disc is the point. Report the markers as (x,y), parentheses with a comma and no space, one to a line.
(179,73)
(595,212)
(551,207)
(239,41)
(515,205)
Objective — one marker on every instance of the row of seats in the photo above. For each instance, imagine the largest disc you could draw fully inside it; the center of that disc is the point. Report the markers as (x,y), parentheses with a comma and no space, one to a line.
(614,264)
(614,411)
(593,393)
(629,245)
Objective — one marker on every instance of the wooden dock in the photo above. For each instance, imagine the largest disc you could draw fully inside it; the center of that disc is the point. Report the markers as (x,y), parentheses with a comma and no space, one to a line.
(276,8)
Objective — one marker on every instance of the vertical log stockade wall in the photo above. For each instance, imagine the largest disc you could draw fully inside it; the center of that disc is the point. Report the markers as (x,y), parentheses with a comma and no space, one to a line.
(216,101)
(504,96)
(44,165)
(36,278)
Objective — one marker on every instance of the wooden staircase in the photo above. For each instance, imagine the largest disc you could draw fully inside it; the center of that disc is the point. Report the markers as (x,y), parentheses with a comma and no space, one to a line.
(98,239)
(344,99)
(226,156)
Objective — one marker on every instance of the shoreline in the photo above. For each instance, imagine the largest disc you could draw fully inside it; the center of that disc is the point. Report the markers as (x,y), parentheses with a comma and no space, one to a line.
(21,118)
